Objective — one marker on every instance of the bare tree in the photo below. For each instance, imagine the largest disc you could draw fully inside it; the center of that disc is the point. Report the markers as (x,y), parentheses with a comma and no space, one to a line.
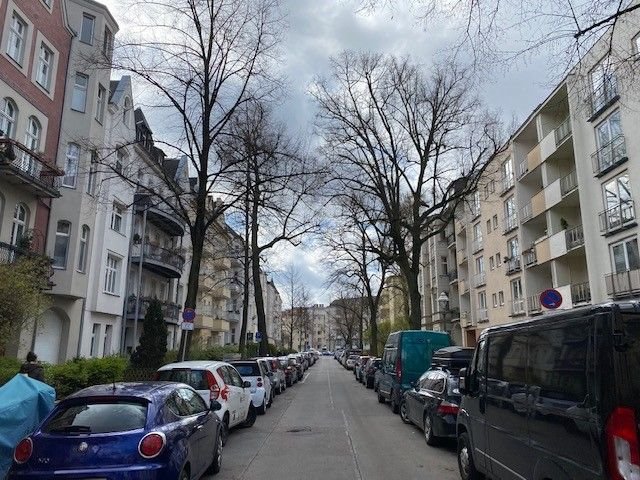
(280,182)
(199,61)
(294,286)
(409,146)
(347,317)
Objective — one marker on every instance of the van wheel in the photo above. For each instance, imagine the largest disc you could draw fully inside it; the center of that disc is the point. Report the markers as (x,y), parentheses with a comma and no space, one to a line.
(380,397)
(404,415)
(465,459)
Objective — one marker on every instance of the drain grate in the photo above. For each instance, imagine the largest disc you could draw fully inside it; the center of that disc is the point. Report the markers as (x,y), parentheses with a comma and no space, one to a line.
(299,429)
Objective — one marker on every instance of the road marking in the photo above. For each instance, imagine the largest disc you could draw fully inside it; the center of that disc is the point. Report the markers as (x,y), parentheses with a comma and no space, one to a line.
(354,456)
(330,393)
(304,378)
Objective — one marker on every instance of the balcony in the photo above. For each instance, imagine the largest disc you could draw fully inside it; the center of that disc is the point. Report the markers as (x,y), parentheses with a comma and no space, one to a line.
(508,182)
(483,315)
(574,237)
(568,183)
(517,307)
(160,214)
(562,131)
(21,166)
(479,279)
(603,96)
(529,257)
(533,304)
(451,240)
(510,223)
(523,169)
(453,276)
(623,284)
(609,156)
(580,293)
(463,286)
(462,256)
(476,245)
(10,253)
(467,320)
(534,158)
(526,213)
(618,217)
(163,261)
(513,265)
(170,310)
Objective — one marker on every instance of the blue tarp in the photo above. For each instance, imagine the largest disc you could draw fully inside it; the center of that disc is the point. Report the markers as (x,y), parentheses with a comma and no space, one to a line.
(24,403)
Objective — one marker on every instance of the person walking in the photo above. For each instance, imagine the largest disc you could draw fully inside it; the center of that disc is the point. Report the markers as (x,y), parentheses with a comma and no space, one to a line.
(32,368)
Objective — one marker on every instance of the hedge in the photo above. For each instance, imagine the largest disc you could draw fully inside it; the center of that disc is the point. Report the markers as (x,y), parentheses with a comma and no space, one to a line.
(9,367)
(80,373)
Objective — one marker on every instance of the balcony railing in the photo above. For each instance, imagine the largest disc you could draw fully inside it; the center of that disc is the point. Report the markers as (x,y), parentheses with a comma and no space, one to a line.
(170,310)
(479,279)
(483,315)
(526,213)
(510,222)
(462,256)
(451,239)
(476,245)
(508,181)
(568,183)
(10,253)
(604,94)
(562,131)
(533,304)
(608,156)
(523,168)
(617,217)
(580,293)
(18,161)
(623,284)
(453,275)
(575,237)
(530,258)
(513,265)
(517,306)
(155,253)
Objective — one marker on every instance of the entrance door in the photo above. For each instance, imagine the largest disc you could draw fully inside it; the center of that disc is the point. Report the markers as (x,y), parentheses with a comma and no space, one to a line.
(48,337)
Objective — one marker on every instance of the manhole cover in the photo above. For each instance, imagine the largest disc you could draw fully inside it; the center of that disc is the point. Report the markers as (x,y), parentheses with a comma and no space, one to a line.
(299,429)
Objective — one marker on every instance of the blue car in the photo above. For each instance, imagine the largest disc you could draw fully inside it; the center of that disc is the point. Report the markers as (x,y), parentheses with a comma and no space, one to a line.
(151,430)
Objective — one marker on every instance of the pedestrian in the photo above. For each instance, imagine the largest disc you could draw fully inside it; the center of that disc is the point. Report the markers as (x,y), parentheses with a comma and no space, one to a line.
(32,368)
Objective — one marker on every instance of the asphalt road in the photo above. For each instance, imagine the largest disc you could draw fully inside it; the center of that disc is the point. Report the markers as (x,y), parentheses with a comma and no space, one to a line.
(330,427)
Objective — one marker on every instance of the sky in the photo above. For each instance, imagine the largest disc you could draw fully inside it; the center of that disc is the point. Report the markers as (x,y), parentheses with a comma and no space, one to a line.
(319,29)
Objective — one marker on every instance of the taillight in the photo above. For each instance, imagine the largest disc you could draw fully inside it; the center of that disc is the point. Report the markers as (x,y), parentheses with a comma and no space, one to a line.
(446,408)
(623,450)
(214,388)
(23,450)
(398,370)
(151,444)
(259,382)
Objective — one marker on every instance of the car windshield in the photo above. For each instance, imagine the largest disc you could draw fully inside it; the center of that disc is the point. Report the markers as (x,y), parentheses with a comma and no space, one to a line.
(194,378)
(248,369)
(98,417)
(453,384)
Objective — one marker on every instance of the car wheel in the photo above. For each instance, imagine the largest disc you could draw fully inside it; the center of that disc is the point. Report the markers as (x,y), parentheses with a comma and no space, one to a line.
(375,387)
(270,400)
(251,417)
(216,464)
(262,409)
(429,437)
(225,429)
(465,459)
(404,415)
(380,398)
(395,408)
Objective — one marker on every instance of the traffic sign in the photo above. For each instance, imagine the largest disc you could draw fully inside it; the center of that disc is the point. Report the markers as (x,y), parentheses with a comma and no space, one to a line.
(188,314)
(551,299)
(187,325)
(258,336)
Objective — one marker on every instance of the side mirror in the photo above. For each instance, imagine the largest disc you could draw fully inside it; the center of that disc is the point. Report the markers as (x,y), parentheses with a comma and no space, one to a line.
(463,382)
(215,406)
(246,384)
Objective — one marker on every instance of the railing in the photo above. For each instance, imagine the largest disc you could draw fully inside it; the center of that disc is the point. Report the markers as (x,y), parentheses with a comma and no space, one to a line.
(479,279)
(462,256)
(562,131)
(161,254)
(623,284)
(533,304)
(617,217)
(574,237)
(517,306)
(530,258)
(29,164)
(466,319)
(523,168)
(513,265)
(474,210)
(10,253)
(453,275)
(568,183)
(508,181)
(603,94)
(451,239)
(609,155)
(476,245)
(483,315)
(526,213)
(510,222)
(170,310)
(580,293)
(210,311)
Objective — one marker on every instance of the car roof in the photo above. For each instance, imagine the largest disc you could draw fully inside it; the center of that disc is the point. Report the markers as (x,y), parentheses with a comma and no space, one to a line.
(193,364)
(243,362)
(146,390)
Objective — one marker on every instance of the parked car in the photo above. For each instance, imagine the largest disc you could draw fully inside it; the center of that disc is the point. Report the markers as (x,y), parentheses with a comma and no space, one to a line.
(555,397)
(152,430)
(290,371)
(296,362)
(278,372)
(350,362)
(218,381)
(434,401)
(357,367)
(407,355)
(377,376)
(253,372)
(373,365)
(273,380)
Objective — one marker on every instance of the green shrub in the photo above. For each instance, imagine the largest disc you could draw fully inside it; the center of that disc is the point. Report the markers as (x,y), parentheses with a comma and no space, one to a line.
(105,370)
(9,367)
(67,377)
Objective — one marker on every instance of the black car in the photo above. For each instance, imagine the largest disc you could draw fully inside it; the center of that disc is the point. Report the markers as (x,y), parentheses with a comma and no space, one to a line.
(370,370)
(554,398)
(433,403)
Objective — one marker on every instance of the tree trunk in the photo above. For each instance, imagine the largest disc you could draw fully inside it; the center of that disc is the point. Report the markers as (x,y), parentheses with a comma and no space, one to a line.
(242,344)
(373,328)
(415,308)
(257,282)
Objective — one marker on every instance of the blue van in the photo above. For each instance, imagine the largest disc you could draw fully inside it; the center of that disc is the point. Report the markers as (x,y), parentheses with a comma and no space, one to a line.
(407,355)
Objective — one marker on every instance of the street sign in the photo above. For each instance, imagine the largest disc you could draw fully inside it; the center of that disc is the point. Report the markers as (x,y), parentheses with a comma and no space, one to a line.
(187,325)
(188,314)
(258,337)
(551,299)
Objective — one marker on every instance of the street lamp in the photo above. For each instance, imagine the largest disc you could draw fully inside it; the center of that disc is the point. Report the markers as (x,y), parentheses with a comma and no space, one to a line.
(443,302)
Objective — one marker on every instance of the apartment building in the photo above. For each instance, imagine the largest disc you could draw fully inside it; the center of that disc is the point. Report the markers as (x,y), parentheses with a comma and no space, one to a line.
(555,209)
(394,304)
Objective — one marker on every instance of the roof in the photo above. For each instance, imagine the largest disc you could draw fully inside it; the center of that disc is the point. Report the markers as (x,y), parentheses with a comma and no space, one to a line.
(193,364)
(170,166)
(118,88)
(140,118)
(146,390)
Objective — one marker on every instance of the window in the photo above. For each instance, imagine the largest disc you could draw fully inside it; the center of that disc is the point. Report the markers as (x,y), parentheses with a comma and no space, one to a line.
(106,343)
(617,203)
(82,251)
(93,172)
(475,206)
(445,267)
(45,67)
(17,34)
(95,333)
(482,300)
(492,263)
(489,226)
(513,249)
(86,31)
(626,256)
(32,135)
(8,118)
(121,157)
(494,300)
(517,297)
(79,97)
(61,246)
(71,166)
(112,274)
(510,217)
(495,222)
(498,259)
(501,297)
(19,226)
(126,111)
(116,217)
(100,103)
(480,265)
(107,42)
(507,175)
(603,84)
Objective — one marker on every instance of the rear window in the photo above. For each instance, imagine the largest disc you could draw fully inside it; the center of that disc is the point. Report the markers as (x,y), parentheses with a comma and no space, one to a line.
(248,369)
(453,385)
(103,417)
(194,378)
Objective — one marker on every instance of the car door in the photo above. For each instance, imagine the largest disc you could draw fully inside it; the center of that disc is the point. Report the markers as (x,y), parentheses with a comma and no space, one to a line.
(413,401)
(432,393)
(242,396)
(194,412)
(475,406)
(229,394)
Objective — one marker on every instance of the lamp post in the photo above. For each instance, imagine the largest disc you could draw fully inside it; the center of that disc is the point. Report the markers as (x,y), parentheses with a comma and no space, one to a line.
(443,306)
